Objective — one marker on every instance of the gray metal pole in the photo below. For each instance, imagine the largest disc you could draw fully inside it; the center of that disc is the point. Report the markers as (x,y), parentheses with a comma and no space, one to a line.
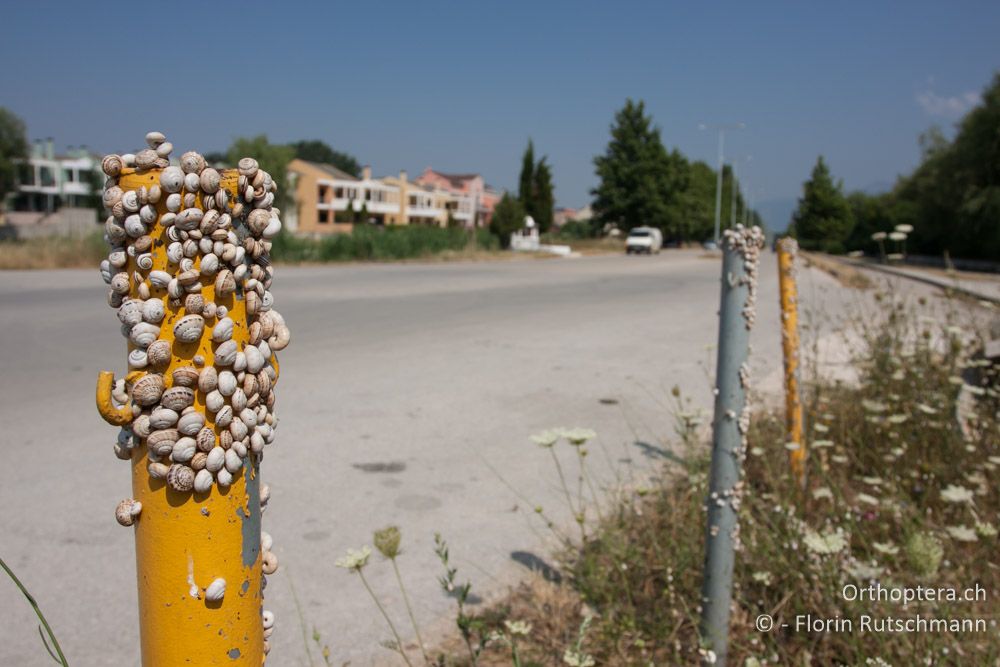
(718,185)
(741,248)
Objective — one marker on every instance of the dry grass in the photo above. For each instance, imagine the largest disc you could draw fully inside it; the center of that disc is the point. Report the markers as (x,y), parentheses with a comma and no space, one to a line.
(846,275)
(53,253)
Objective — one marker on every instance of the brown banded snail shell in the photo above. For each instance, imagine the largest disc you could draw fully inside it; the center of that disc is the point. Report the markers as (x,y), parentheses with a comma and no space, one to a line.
(127,511)
(148,389)
(177,398)
(158,353)
(185,376)
(180,477)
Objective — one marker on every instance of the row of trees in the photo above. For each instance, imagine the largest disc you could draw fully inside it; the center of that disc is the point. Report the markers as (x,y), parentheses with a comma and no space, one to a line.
(644,184)
(535,197)
(951,200)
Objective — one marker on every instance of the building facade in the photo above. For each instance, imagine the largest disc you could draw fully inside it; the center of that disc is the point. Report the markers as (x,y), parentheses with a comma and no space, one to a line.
(324,195)
(47,182)
(473,186)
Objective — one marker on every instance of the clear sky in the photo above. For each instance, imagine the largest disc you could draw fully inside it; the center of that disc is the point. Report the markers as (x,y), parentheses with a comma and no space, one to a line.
(461,86)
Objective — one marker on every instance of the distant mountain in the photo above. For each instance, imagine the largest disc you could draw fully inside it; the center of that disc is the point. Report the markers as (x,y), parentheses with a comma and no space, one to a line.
(777,213)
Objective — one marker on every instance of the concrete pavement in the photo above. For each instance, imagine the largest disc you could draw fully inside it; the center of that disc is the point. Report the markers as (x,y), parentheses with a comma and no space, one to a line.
(406,390)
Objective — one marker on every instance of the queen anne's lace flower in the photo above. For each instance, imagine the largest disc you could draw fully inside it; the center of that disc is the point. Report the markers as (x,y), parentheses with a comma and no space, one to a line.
(956,494)
(355,559)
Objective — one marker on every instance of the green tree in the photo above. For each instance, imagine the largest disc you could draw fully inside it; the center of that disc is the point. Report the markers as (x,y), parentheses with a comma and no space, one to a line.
(640,182)
(272,158)
(13,148)
(543,196)
(823,220)
(363,215)
(348,214)
(697,203)
(526,184)
(508,217)
(315,150)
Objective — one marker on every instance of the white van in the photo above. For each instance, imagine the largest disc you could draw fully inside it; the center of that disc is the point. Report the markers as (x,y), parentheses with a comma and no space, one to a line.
(644,239)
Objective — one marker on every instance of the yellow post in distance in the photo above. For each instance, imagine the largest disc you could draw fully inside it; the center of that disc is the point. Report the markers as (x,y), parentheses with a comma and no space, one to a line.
(184,541)
(787,251)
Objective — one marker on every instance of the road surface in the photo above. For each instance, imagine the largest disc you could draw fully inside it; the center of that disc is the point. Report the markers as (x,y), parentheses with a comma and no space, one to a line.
(407,392)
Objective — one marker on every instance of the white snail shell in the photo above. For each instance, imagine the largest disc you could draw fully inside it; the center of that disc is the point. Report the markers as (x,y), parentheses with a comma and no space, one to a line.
(208,379)
(183,450)
(224,478)
(191,423)
(233,461)
(188,329)
(217,589)
(203,481)
(214,401)
(158,470)
(162,418)
(223,330)
(137,359)
(216,459)
(153,311)
(269,564)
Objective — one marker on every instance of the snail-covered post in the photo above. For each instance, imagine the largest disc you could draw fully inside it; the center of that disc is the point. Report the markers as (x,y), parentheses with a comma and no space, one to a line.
(787,251)
(730,427)
(190,277)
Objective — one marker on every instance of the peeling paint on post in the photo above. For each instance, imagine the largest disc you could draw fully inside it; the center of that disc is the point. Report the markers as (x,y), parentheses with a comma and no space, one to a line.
(730,425)
(787,252)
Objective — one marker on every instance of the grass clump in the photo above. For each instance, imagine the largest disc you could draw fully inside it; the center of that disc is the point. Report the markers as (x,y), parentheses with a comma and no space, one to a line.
(54,252)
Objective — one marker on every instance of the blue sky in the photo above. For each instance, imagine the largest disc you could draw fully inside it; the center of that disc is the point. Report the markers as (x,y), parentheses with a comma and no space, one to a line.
(461,86)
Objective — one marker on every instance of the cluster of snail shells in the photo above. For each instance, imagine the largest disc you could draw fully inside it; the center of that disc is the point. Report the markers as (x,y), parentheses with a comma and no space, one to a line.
(184,254)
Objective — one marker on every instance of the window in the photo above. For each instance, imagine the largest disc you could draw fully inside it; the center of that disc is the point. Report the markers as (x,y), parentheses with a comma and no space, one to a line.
(69,175)
(47,177)
(26,174)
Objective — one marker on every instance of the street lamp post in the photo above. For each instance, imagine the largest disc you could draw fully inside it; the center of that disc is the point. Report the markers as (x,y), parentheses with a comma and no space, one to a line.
(718,181)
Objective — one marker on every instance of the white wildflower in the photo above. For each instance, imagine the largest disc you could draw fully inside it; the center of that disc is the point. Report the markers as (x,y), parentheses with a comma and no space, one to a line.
(862,571)
(885,548)
(986,529)
(577,658)
(956,494)
(792,446)
(897,419)
(819,444)
(546,438)
(762,578)
(926,409)
(873,406)
(872,481)
(518,627)
(355,559)
(865,498)
(962,533)
(828,543)
(822,492)
(578,436)
(820,428)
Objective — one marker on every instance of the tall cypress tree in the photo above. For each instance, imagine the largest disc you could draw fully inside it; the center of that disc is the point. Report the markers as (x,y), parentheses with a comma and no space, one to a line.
(543,197)
(823,219)
(526,184)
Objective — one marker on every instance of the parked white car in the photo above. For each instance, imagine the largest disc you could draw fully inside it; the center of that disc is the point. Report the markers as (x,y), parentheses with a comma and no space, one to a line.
(647,240)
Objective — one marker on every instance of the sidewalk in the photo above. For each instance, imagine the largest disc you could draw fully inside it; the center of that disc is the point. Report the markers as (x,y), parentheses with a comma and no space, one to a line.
(984,287)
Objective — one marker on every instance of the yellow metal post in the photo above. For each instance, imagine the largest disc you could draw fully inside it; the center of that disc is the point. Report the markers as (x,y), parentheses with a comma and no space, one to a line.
(185,541)
(787,251)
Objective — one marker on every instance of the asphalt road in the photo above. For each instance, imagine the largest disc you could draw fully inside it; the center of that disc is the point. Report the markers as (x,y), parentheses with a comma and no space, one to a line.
(408,391)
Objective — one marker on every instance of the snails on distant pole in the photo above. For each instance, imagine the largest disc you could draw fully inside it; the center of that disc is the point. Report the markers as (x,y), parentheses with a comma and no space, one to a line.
(189,275)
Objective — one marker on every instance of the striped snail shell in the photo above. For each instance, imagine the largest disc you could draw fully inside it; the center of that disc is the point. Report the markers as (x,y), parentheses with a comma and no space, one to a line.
(148,389)
(127,511)
(180,477)
(177,398)
(188,329)
(158,352)
(162,418)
